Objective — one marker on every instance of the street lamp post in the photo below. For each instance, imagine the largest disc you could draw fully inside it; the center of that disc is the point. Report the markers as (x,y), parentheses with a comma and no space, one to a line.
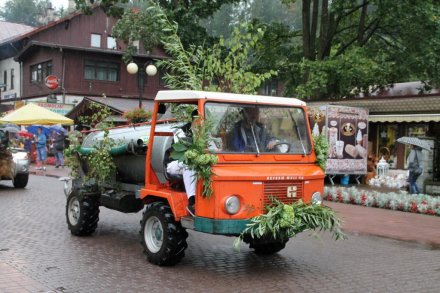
(150,70)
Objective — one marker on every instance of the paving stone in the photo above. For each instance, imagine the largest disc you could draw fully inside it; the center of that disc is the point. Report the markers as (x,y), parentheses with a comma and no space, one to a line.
(39,254)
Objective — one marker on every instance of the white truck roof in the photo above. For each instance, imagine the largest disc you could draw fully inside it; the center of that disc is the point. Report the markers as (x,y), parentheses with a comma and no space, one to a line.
(180,95)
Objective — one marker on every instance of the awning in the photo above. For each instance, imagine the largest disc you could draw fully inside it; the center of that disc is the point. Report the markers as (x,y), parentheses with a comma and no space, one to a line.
(34,114)
(404,118)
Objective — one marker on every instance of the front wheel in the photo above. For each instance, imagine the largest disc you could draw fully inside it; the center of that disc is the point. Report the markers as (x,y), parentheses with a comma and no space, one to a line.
(20,180)
(82,214)
(266,245)
(163,239)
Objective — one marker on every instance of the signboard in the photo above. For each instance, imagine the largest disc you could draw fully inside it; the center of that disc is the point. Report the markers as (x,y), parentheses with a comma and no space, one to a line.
(346,129)
(61,109)
(10,96)
(51,81)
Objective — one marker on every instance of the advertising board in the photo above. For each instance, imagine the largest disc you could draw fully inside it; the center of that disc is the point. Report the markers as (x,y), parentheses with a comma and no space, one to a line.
(346,129)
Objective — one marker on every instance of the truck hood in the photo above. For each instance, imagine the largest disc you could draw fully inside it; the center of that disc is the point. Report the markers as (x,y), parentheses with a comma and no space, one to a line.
(265,172)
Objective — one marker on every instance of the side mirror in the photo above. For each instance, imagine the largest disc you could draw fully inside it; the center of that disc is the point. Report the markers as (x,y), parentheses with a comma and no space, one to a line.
(162,109)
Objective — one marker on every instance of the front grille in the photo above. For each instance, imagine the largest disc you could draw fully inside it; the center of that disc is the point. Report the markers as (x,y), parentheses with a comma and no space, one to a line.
(278,189)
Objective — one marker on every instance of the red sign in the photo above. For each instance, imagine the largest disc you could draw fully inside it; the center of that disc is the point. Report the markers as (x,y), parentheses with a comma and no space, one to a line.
(51,82)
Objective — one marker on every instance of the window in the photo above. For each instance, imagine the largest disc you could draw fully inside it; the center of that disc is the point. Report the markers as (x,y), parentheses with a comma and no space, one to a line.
(270,88)
(12,78)
(388,134)
(241,128)
(136,44)
(40,71)
(101,70)
(95,40)
(111,43)
(5,78)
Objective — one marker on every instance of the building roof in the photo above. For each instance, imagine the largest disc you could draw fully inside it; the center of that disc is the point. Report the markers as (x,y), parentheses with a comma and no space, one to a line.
(405,102)
(10,30)
(32,45)
(117,105)
(197,95)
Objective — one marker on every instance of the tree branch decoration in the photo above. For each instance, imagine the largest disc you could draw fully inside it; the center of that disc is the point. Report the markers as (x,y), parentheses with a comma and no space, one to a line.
(283,221)
(196,156)
(321,150)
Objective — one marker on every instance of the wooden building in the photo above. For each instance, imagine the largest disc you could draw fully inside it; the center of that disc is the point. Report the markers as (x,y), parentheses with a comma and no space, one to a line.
(80,51)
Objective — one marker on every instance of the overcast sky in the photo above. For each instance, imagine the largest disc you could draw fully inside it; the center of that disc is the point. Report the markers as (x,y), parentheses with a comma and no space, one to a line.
(56,3)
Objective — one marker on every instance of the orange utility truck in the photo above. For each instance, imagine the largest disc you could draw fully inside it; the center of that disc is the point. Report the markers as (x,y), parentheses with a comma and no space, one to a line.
(264,149)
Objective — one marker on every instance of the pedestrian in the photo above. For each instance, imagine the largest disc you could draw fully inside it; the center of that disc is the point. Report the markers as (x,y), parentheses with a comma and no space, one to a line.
(41,141)
(58,148)
(415,167)
(28,145)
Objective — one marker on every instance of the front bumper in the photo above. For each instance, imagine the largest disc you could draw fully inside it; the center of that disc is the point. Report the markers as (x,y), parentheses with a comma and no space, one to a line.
(222,227)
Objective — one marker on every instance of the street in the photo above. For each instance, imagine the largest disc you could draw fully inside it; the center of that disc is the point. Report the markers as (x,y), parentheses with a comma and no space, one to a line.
(38,254)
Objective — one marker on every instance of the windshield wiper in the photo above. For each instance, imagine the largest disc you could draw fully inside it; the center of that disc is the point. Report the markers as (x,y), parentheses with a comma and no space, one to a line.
(298,133)
(255,140)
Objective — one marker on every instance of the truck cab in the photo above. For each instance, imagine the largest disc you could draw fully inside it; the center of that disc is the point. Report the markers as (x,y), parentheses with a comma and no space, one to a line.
(247,173)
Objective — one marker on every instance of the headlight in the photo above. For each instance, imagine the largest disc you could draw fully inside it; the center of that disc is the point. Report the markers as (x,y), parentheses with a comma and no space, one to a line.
(316,198)
(232,205)
(20,156)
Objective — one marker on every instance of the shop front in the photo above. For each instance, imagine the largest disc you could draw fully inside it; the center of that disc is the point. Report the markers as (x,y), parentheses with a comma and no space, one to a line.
(397,112)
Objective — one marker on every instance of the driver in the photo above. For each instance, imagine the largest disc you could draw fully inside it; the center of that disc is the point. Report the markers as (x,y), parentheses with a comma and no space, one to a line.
(249,135)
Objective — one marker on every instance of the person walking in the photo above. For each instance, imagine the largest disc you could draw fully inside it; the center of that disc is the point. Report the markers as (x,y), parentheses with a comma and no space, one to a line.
(58,148)
(41,141)
(415,167)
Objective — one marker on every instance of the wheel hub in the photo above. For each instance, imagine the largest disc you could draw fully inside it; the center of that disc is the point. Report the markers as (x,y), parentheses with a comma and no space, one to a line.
(153,234)
(74,211)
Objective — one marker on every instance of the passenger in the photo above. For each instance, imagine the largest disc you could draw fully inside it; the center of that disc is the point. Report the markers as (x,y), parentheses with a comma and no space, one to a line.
(175,167)
(249,135)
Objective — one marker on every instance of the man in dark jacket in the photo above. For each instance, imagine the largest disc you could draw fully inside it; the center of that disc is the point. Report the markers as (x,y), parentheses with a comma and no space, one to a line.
(250,135)
(58,145)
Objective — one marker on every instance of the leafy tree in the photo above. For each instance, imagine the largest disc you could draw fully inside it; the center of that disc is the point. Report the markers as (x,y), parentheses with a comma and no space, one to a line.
(223,67)
(25,11)
(186,14)
(356,46)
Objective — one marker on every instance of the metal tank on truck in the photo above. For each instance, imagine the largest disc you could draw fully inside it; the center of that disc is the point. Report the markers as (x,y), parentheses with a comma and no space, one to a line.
(259,148)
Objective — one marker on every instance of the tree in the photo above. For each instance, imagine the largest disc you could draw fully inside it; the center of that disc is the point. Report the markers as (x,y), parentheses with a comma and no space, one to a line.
(225,66)
(25,11)
(356,46)
(187,14)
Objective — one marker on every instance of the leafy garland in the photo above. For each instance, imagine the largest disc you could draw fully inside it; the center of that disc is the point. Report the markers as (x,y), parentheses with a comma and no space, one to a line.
(101,165)
(321,150)
(196,156)
(137,115)
(283,221)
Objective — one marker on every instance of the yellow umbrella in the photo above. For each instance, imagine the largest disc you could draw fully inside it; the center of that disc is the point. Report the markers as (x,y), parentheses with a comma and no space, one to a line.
(34,114)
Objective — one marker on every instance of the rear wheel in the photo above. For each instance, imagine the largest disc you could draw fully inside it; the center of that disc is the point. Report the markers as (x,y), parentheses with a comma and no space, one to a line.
(163,239)
(20,180)
(82,214)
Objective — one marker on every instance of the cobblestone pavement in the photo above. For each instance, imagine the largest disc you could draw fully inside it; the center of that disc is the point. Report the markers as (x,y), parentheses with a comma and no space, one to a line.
(38,254)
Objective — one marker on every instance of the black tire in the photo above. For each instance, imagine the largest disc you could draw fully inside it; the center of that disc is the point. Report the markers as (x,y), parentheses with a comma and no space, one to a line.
(82,214)
(163,239)
(20,180)
(265,245)
(268,248)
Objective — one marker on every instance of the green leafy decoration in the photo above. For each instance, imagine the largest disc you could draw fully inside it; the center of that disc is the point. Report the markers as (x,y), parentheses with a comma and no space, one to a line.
(100,162)
(195,154)
(283,221)
(321,150)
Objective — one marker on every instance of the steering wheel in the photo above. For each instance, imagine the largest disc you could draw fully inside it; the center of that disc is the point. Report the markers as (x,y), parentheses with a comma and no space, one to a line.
(283,147)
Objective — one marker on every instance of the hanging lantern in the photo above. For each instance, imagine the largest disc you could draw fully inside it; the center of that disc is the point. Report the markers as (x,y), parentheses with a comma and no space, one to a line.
(382,168)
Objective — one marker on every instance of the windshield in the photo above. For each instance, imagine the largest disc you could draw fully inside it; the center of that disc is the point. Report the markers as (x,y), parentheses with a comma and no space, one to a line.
(240,128)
